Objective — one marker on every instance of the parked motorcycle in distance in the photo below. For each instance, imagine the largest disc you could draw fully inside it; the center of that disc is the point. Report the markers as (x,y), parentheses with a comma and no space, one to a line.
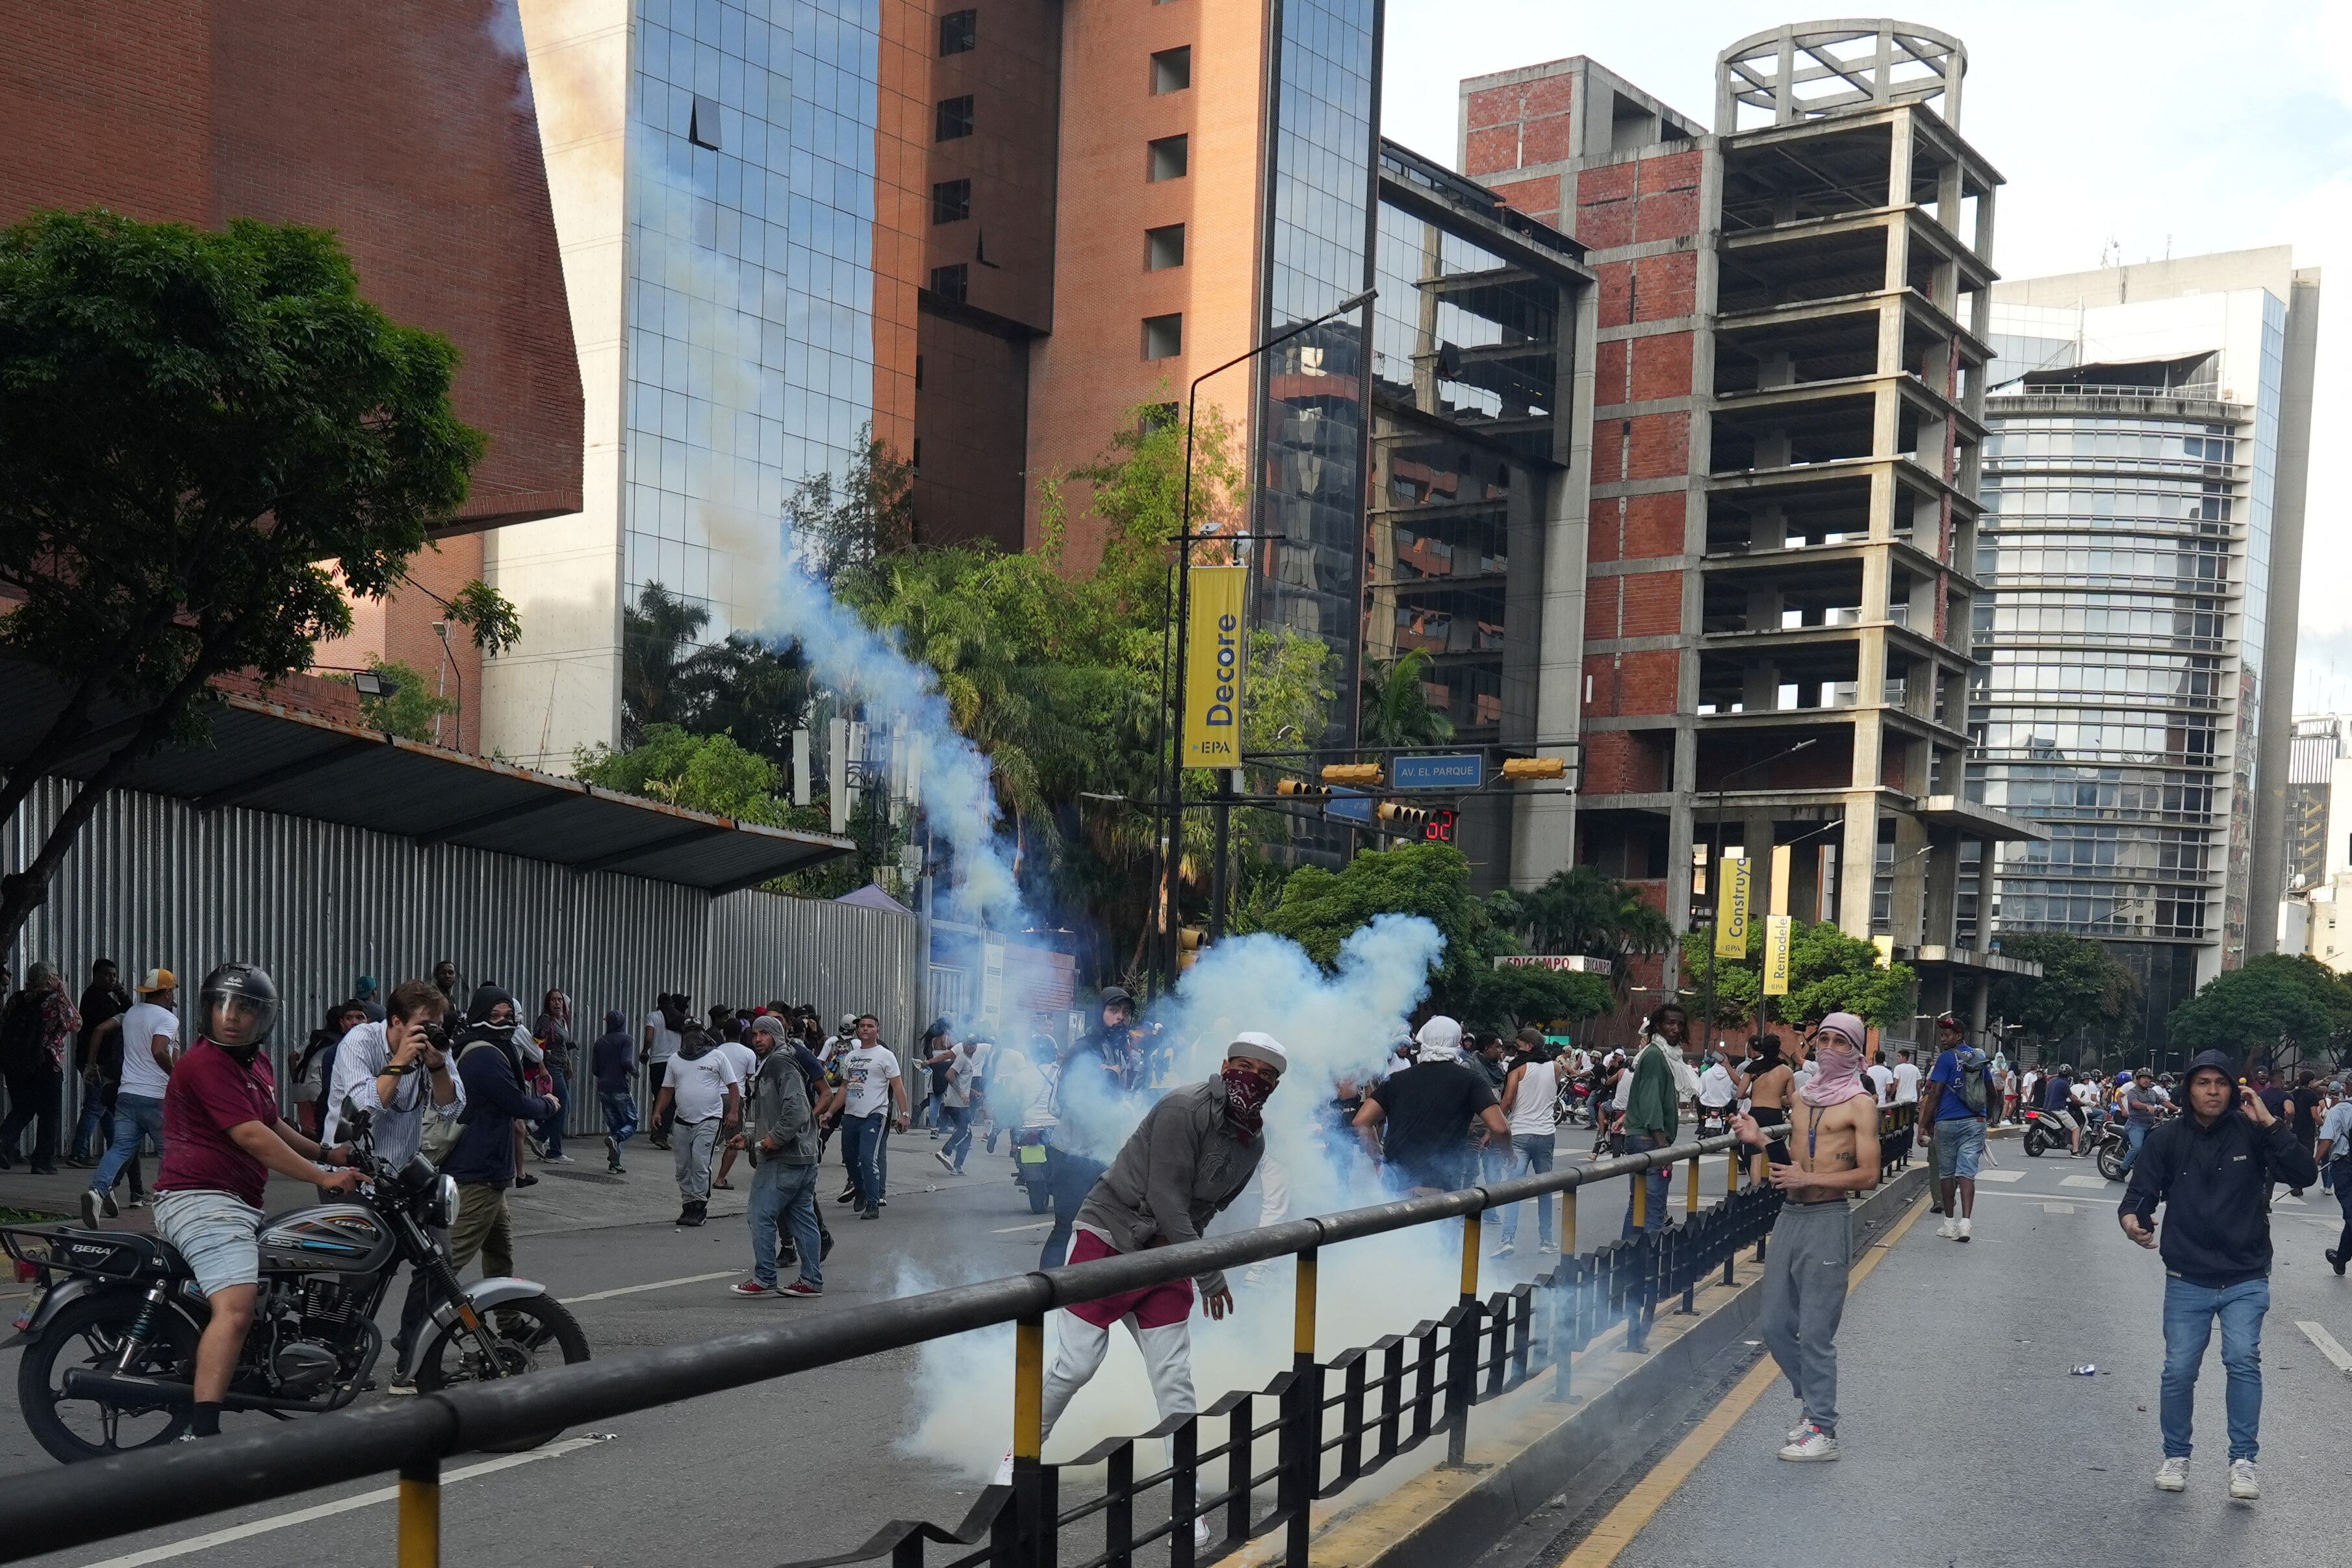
(2044,1131)
(110,1351)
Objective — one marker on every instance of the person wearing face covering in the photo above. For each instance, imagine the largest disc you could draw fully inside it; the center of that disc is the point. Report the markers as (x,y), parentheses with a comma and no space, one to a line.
(613,1059)
(1191,1156)
(1833,1144)
(1413,1122)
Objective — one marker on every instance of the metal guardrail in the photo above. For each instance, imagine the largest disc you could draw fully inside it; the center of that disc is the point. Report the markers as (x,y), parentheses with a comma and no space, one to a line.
(1391,1397)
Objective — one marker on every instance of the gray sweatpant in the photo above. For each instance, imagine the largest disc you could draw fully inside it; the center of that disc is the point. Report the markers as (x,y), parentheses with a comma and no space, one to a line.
(1804,1296)
(691,1149)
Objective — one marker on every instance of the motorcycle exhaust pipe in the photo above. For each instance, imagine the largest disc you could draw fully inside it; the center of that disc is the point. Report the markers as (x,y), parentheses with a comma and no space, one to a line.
(81,1382)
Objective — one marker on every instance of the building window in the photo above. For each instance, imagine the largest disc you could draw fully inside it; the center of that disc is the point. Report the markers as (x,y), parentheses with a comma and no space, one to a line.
(951,201)
(951,283)
(1171,158)
(919,372)
(917,464)
(702,124)
(958,32)
(1163,336)
(955,119)
(1171,70)
(1163,247)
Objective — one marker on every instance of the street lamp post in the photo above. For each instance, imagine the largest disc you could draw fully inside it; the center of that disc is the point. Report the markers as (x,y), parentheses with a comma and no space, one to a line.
(1172,835)
(1715,855)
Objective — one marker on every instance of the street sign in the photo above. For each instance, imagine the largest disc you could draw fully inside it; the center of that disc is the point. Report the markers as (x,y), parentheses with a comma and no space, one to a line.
(1346,806)
(1451,770)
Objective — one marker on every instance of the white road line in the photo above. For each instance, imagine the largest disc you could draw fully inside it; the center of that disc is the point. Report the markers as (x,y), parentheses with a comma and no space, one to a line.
(2329,1347)
(2287,1198)
(1016,1230)
(2057,1208)
(656,1285)
(2001,1175)
(343,1505)
(2093,1181)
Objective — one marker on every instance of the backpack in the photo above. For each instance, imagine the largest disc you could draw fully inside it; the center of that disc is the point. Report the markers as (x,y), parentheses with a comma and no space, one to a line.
(1972,1079)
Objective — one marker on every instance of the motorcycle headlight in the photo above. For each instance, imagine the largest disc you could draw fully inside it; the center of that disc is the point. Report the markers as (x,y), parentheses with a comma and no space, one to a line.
(444,1212)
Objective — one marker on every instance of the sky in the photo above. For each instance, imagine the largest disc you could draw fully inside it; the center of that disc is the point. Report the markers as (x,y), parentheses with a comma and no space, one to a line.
(2153,128)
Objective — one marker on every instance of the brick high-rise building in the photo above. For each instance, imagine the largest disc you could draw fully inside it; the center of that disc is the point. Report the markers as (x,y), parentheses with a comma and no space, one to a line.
(406,128)
(1790,378)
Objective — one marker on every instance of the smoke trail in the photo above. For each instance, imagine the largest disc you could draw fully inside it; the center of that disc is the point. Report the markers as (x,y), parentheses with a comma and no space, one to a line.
(715,350)
(1334,1026)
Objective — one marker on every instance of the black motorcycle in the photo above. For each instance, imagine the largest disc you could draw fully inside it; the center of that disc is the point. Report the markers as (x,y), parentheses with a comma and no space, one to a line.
(110,1351)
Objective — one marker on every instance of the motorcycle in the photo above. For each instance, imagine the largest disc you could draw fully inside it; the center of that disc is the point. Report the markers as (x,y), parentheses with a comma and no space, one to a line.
(2111,1149)
(1573,1103)
(2044,1131)
(110,1351)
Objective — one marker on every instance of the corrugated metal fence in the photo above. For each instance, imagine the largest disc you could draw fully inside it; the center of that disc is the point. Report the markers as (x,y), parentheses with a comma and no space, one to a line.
(153,881)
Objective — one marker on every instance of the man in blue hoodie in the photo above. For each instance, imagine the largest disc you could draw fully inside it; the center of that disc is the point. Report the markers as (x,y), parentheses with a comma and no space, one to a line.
(482,1165)
(2212,1170)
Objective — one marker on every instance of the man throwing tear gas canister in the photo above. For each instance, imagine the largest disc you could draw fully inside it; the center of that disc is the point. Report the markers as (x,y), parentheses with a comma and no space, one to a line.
(1191,1156)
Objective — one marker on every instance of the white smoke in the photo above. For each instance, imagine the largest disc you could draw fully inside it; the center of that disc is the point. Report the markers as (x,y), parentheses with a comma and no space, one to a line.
(1335,1025)
(709,329)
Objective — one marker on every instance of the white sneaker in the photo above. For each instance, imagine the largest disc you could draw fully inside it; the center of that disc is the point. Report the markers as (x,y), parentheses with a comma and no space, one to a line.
(1964,1230)
(2242,1484)
(1200,1533)
(1949,1230)
(1813,1447)
(1505,1250)
(2172,1476)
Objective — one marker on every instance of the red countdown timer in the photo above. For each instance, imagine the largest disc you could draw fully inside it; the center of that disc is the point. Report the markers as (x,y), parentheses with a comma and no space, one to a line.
(1439,829)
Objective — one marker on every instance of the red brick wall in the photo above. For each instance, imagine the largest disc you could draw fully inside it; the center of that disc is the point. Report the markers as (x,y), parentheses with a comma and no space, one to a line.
(1536,198)
(1641,683)
(1661,366)
(1636,527)
(1656,445)
(1519,125)
(1653,604)
(398,124)
(1665,286)
(1616,762)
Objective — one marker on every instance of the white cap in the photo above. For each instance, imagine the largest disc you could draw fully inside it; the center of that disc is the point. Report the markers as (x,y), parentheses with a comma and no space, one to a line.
(1252,1046)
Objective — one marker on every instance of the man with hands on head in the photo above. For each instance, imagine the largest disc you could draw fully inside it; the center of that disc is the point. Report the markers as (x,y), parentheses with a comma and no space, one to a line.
(2212,1168)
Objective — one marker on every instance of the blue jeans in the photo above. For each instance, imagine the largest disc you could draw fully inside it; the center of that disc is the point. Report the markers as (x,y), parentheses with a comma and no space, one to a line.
(1661,1180)
(864,1138)
(1069,1178)
(93,1116)
(1534,1151)
(2188,1313)
(956,1120)
(783,1194)
(2134,1134)
(551,1131)
(620,1114)
(135,1117)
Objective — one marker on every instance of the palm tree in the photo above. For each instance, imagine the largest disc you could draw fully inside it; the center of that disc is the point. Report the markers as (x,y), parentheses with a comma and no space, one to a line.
(653,631)
(1579,910)
(1396,708)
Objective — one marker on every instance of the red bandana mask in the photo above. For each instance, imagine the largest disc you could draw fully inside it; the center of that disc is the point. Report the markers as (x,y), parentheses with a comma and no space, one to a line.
(1245,1094)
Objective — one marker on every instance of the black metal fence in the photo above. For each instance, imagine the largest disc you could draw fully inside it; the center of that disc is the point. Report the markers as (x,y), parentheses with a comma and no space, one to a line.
(1252,1464)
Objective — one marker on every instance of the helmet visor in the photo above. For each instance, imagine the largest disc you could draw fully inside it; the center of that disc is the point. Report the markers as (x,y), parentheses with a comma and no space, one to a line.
(235,1019)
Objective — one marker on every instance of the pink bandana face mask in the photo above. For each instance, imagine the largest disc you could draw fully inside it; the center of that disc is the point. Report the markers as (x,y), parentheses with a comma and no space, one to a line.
(1837,1071)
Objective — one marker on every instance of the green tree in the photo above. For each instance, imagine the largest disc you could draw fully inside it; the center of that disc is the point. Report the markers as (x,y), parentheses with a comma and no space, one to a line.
(657,635)
(207,440)
(701,772)
(1582,910)
(1513,994)
(846,528)
(1396,709)
(1829,972)
(2273,1000)
(411,707)
(2081,987)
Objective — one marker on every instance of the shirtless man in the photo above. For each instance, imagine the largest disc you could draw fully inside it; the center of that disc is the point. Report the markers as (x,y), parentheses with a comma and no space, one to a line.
(1833,1137)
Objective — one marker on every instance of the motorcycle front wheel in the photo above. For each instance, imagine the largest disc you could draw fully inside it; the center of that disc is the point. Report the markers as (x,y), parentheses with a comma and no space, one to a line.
(2111,1164)
(90,1334)
(2034,1143)
(528,1335)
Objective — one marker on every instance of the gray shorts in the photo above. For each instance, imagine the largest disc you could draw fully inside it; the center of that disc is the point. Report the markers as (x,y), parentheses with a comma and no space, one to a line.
(215,1232)
(1959,1146)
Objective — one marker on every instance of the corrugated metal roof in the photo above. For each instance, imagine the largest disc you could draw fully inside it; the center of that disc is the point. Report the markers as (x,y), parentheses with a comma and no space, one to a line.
(265,757)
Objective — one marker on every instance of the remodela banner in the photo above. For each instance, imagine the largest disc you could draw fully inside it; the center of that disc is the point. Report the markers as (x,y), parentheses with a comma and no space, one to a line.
(1213,667)
(1777,934)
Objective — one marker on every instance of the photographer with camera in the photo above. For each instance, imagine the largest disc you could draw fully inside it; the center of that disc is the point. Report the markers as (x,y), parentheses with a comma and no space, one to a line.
(399,1073)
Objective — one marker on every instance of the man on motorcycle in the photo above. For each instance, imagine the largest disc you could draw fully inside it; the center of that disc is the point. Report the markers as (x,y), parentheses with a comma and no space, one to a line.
(222,1137)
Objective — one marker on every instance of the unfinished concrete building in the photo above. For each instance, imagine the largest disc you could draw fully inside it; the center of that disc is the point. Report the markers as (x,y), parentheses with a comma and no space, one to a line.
(1790,364)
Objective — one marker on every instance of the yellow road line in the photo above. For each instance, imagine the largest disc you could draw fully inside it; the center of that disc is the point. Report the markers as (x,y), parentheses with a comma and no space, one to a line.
(1637,1508)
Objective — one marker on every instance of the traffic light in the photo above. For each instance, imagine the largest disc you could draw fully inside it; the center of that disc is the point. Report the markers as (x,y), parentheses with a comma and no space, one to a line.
(1440,827)
(1362,774)
(1535,767)
(1300,786)
(1190,940)
(1402,815)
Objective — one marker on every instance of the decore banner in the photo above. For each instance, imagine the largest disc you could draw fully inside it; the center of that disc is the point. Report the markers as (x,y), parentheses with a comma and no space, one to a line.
(1213,667)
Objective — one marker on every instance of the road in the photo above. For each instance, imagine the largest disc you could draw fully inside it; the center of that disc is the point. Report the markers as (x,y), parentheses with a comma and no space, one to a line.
(1968,1443)
(838,1451)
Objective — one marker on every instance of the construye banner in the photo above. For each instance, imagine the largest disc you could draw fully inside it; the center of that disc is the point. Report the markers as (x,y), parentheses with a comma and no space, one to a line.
(1777,932)
(1213,667)
(1731,908)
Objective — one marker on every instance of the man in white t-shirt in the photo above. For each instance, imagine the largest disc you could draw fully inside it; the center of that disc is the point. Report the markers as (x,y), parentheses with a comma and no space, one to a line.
(1906,1079)
(747,1065)
(961,1103)
(871,1083)
(1881,1078)
(1718,1092)
(703,1092)
(660,1045)
(151,1043)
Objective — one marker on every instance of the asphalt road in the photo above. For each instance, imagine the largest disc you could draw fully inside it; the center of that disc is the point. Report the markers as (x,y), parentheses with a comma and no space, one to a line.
(813,1465)
(1967,1443)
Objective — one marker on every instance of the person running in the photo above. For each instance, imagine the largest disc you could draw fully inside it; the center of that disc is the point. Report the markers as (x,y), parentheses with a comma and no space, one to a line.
(959,1103)
(781,1142)
(1959,1099)
(1413,1124)
(2211,1168)
(613,1060)
(1193,1154)
(1834,1130)
(2334,1156)
(1530,1096)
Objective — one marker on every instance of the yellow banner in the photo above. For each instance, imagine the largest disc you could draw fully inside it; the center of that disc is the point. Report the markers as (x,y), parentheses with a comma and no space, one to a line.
(1731,909)
(1782,860)
(1213,667)
(1778,930)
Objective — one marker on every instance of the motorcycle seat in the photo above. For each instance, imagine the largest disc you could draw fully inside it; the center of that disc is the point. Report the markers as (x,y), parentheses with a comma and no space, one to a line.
(118,1254)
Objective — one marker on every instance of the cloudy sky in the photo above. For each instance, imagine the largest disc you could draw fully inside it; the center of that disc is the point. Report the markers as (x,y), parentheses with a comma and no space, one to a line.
(2196,127)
